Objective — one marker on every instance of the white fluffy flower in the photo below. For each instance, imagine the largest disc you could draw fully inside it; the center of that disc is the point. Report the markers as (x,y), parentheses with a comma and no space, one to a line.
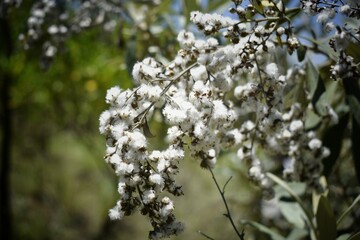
(156,179)
(315,144)
(137,139)
(115,212)
(168,207)
(272,70)
(296,126)
(148,196)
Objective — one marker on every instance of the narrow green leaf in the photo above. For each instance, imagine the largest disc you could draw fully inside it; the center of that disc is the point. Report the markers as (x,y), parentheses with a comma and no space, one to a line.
(312,77)
(347,211)
(261,228)
(146,130)
(325,219)
(344,236)
(356,236)
(258,6)
(292,12)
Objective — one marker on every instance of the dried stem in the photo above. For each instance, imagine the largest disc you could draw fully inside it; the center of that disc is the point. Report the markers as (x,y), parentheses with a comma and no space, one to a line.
(228,213)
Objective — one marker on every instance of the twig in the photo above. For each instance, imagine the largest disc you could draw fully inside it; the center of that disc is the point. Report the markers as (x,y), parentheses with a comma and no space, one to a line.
(228,214)
(204,235)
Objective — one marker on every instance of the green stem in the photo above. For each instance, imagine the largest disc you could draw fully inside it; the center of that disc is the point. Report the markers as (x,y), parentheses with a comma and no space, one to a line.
(347,210)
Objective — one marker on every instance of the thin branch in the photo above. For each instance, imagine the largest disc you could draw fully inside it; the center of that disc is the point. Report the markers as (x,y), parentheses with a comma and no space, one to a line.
(223,190)
(228,213)
(206,236)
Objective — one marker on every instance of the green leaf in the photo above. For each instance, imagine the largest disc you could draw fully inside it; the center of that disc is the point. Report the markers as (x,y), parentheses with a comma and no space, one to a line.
(344,236)
(297,234)
(333,139)
(356,236)
(291,209)
(325,219)
(347,211)
(295,94)
(312,120)
(284,185)
(301,53)
(258,6)
(293,213)
(320,89)
(292,12)
(146,130)
(261,228)
(312,77)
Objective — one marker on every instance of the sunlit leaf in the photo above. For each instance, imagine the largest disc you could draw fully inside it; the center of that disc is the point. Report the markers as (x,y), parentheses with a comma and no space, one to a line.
(292,213)
(259,7)
(297,234)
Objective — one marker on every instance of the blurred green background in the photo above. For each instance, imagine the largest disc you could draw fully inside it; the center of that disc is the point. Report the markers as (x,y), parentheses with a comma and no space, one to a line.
(60,187)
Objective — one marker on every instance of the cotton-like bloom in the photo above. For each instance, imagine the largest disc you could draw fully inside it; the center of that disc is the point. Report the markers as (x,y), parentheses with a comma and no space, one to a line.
(272,70)
(315,144)
(296,126)
(156,179)
(148,196)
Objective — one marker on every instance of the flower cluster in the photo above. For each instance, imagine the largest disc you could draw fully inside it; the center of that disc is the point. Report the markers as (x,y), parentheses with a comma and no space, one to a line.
(343,35)
(51,22)
(213,98)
